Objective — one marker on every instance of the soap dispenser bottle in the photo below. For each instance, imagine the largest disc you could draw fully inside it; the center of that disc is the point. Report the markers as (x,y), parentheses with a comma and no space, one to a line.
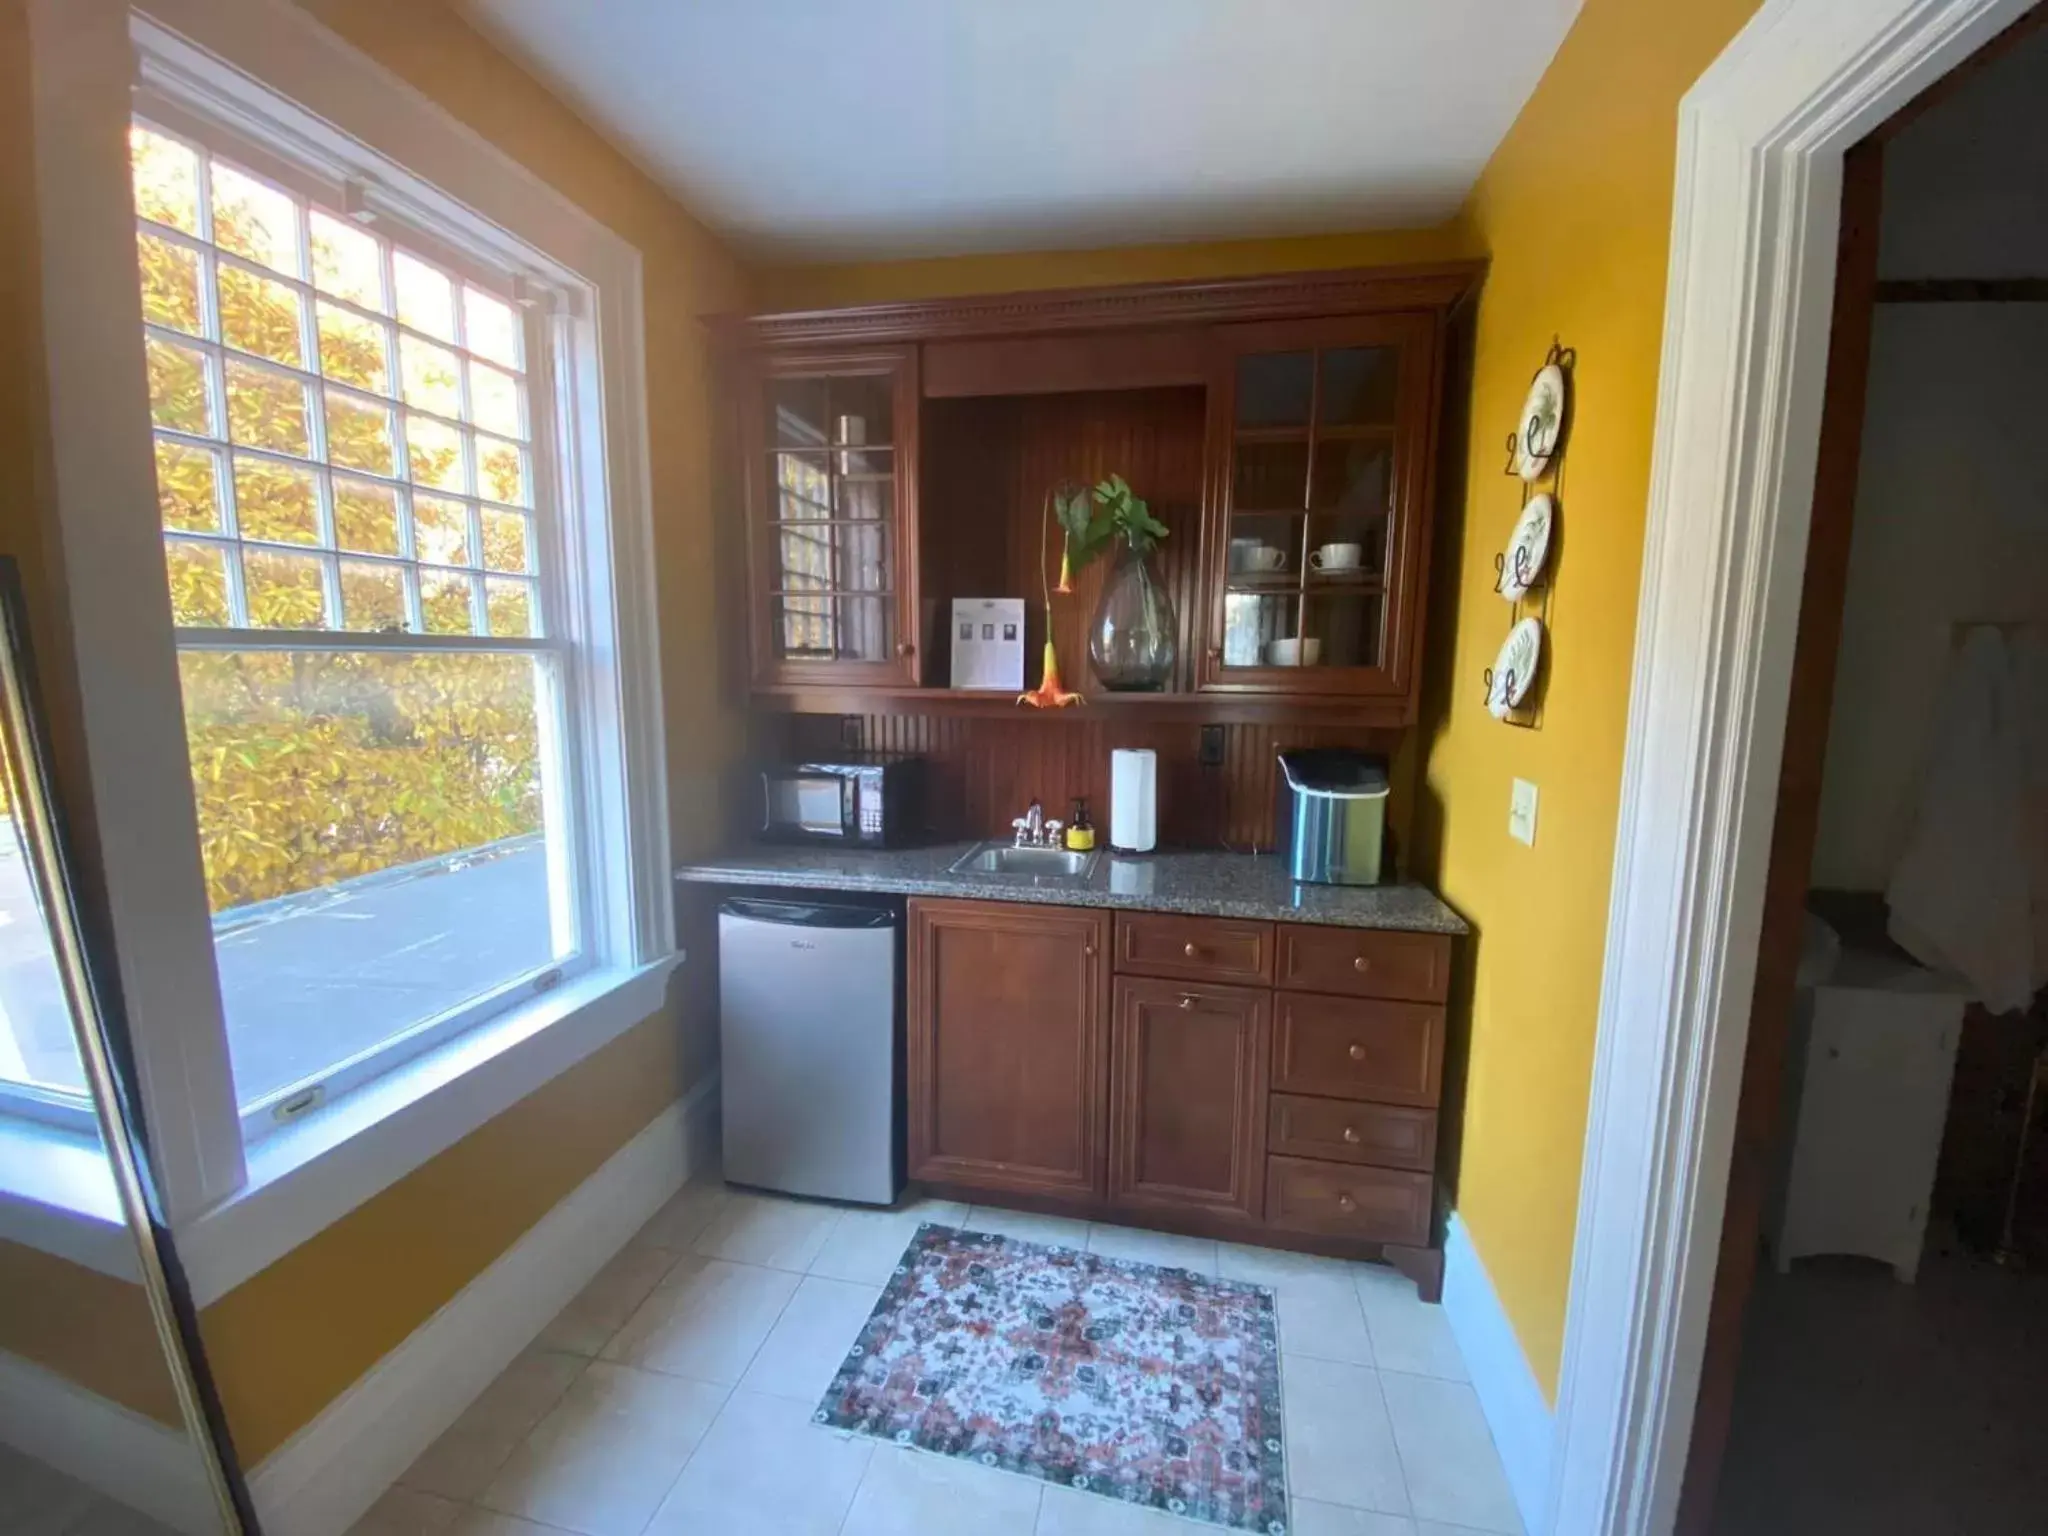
(1080,830)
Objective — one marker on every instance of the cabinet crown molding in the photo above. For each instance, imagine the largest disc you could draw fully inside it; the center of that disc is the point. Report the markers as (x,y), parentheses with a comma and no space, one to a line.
(1365,290)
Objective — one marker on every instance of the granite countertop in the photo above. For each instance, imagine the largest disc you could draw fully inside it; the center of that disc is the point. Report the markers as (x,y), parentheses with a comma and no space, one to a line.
(1245,885)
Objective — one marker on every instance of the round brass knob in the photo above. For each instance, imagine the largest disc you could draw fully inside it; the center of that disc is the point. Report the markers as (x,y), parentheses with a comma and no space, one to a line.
(1357,1052)
(1191,950)
(905,648)
(1346,1203)
(1361,965)
(1351,1135)
(1186,1002)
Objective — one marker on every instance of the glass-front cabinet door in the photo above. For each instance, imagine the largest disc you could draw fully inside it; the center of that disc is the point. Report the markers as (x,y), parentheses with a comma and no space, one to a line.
(832,486)
(1318,432)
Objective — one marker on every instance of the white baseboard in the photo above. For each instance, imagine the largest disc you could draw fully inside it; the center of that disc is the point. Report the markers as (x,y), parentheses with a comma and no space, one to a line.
(123,1454)
(322,1480)
(1508,1394)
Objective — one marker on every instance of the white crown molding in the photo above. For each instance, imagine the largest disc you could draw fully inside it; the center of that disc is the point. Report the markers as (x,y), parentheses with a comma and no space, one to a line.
(1756,210)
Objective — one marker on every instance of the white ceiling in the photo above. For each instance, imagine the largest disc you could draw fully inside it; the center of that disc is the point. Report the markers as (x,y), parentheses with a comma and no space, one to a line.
(828,129)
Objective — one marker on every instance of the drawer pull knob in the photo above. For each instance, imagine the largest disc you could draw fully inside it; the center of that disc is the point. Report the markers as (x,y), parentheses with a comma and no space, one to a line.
(1357,1051)
(1351,1135)
(1187,1001)
(1191,949)
(1346,1204)
(1361,965)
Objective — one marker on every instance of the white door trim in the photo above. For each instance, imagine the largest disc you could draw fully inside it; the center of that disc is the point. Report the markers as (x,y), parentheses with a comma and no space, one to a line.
(1755,214)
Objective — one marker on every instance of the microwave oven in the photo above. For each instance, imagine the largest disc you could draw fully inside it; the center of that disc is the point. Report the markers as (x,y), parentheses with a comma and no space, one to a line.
(855,802)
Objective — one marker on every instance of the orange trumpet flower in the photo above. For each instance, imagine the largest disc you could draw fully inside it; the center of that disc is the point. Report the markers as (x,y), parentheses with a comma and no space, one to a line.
(1049,694)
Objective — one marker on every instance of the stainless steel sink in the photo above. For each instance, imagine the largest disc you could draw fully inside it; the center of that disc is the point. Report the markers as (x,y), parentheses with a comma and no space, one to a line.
(1041,863)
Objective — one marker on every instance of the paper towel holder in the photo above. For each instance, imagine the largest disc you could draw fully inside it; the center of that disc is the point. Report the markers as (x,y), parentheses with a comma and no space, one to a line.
(1133,800)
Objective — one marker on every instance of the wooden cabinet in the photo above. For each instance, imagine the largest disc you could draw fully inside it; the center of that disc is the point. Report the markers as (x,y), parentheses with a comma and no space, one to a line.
(1378,1205)
(1187,1076)
(1194,948)
(830,448)
(1358,1048)
(1007,1046)
(1162,1095)
(1282,428)
(1384,1135)
(1318,439)
(1413,967)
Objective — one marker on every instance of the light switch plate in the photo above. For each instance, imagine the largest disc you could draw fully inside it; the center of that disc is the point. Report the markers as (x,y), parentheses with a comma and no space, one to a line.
(1522,813)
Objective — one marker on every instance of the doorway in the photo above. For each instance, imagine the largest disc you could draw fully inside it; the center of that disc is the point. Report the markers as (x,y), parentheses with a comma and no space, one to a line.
(1864,1360)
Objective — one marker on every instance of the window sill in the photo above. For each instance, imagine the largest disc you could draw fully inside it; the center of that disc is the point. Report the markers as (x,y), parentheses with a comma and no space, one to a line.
(306,1176)
(57,1194)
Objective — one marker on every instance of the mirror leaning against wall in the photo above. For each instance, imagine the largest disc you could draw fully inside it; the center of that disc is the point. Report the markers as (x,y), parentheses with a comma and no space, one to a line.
(108,1418)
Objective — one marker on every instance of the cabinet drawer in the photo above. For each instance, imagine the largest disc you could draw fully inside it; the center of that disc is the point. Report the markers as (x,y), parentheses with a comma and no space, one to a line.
(1363,962)
(1193,948)
(1349,1048)
(1378,1134)
(1380,1205)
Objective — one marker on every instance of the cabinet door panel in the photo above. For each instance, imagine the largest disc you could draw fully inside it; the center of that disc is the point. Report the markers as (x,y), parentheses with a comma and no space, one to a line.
(1194,948)
(1319,439)
(1007,1050)
(830,443)
(1380,1205)
(1187,1096)
(1358,962)
(1346,1048)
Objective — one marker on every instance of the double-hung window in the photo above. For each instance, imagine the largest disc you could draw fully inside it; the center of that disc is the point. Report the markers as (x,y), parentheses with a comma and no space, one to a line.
(354,431)
(349,474)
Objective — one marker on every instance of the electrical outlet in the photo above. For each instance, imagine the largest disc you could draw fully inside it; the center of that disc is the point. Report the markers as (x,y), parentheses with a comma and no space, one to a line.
(1522,813)
(1212,746)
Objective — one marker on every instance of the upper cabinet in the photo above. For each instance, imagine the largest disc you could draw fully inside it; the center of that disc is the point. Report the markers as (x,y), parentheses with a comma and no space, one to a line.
(898,457)
(831,475)
(1318,432)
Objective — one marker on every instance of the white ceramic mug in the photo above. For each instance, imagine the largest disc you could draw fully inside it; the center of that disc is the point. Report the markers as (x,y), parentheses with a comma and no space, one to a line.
(1338,557)
(1265,558)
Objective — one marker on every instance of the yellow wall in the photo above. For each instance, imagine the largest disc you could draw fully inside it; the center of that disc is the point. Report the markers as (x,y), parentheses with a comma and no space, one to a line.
(89,1327)
(284,1343)
(1574,211)
(289,1339)
(1573,215)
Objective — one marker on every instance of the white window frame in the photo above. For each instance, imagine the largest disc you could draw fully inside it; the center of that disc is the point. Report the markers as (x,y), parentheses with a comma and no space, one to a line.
(559,580)
(338,117)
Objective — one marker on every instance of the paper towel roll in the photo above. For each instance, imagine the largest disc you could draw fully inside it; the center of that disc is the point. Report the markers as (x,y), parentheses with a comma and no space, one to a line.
(1133,803)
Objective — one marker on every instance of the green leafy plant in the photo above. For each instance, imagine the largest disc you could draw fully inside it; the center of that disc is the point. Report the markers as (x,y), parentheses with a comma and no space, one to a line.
(1092,517)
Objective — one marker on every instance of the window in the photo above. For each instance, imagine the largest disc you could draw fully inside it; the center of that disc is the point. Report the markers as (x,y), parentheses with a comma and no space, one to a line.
(350,430)
(40,1073)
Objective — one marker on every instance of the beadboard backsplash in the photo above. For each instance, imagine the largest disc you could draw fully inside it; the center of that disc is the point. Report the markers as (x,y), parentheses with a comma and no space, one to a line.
(984,772)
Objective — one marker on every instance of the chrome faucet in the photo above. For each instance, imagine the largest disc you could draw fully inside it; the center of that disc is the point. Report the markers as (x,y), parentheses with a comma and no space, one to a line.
(1030,827)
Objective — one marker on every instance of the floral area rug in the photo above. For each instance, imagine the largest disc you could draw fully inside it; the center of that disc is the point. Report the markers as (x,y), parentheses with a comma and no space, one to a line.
(1155,1386)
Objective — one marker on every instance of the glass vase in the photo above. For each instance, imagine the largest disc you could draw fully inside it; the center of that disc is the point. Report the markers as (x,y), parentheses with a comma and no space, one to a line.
(1133,638)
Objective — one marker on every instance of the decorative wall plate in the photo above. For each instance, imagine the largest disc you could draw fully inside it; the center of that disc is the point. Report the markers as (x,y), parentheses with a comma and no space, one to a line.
(1536,441)
(1514,670)
(1521,564)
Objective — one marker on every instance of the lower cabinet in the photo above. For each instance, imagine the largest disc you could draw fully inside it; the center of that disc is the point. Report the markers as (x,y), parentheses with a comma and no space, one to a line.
(1007,1046)
(1196,1075)
(1187,1096)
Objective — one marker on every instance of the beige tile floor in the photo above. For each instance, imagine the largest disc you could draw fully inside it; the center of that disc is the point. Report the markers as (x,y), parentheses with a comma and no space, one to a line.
(673,1397)
(38,1500)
